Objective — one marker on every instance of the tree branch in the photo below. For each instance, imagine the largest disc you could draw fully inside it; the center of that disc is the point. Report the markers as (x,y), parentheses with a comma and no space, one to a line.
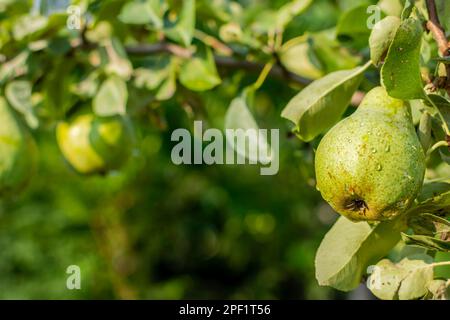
(228,62)
(438,32)
(221,61)
(160,47)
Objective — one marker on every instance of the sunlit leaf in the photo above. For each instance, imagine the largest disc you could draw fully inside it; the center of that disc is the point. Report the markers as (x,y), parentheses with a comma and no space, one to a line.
(142,12)
(408,279)
(349,248)
(321,104)
(298,56)
(183,30)
(111,98)
(18,94)
(238,117)
(382,35)
(199,73)
(427,242)
(400,74)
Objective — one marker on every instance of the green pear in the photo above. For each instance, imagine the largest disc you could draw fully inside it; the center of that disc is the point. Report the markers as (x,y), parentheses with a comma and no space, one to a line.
(18,151)
(94,144)
(370,166)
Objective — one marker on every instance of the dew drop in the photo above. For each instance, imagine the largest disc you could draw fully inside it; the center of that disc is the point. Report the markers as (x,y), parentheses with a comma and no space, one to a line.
(379,167)
(387,148)
(374,150)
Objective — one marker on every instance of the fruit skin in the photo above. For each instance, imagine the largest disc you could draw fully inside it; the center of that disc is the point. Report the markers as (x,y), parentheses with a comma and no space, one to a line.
(94,144)
(370,166)
(18,152)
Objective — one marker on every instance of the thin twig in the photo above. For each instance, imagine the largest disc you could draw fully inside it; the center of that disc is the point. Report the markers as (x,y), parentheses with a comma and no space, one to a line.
(222,61)
(160,47)
(228,62)
(438,32)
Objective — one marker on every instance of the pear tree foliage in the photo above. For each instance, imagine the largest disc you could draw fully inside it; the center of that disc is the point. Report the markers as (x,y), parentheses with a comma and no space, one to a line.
(91,69)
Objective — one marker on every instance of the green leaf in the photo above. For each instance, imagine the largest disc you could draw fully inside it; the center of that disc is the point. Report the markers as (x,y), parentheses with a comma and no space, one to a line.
(27,26)
(200,73)
(400,74)
(288,11)
(381,37)
(298,57)
(349,248)
(118,62)
(167,88)
(153,72)
(384,280)
(142,12)
(407,9)
(112,97)
(150,78)
(391,7)
(18,94)
(15,67)
(58,98)
(331,54)
(321,104)
(432,189)
(443,8)
(86,88)
(183,30)
(238,116)
(439,289)
(347,5)
(428,224)
(442,271)
(406,280)
(352,26)
(438,204)
(426,242)
(438,104)
(424,131)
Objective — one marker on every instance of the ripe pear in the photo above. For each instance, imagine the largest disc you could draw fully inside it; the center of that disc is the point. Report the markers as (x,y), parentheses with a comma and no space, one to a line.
(93,144)
(370,166)
(18,151)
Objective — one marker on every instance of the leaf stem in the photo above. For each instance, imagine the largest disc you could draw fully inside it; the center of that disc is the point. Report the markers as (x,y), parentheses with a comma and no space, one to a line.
(439,264)
(263,75)
(437,145)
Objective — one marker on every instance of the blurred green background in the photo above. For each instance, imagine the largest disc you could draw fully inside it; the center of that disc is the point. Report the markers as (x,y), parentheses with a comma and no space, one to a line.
(155,230)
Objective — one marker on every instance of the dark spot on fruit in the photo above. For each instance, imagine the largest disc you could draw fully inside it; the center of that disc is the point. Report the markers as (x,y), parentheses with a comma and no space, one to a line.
(357,205)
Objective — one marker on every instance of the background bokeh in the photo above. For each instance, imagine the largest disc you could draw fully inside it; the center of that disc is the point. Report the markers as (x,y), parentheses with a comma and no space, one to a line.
(157,230)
